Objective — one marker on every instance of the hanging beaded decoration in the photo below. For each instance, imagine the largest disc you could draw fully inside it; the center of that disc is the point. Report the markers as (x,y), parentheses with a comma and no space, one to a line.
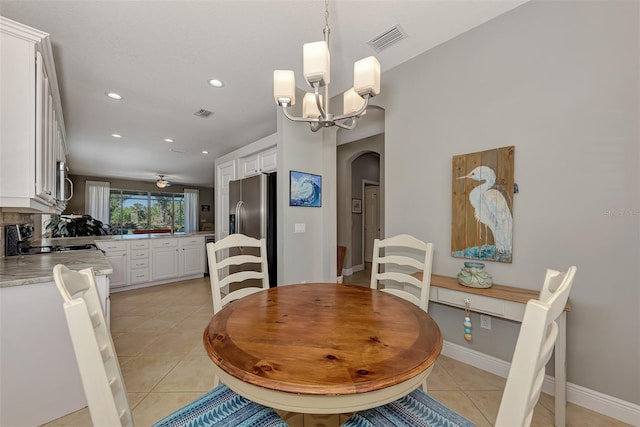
(467,320)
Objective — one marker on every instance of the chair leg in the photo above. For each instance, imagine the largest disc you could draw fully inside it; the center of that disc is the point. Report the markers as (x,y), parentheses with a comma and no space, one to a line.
(216,381)
(424,385)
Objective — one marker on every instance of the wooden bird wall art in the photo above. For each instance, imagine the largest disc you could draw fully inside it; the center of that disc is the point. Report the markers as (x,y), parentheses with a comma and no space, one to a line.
(482,205)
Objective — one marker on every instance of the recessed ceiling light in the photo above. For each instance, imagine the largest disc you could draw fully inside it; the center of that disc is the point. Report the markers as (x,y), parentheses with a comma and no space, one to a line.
(205,152)
(116,135)
(216,83)
(168,140)
(113,95)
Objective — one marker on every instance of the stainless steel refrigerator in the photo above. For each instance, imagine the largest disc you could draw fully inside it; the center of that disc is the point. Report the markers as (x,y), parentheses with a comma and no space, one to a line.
(252,211)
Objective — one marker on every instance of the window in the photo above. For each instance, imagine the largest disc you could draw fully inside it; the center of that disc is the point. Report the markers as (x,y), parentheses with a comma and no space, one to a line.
(140,210)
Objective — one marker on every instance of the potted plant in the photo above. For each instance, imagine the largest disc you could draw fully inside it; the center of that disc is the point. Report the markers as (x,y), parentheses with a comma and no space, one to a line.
(75,226)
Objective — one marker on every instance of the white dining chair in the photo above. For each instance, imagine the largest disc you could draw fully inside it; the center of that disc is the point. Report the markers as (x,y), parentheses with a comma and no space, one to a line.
(102,378)
(237,261)
(535,344)
(395,260)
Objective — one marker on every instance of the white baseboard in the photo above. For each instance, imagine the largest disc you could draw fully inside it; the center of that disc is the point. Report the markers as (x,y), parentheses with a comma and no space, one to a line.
(607,405)
(353,269)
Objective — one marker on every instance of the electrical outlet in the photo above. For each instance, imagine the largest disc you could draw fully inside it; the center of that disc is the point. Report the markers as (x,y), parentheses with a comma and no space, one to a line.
(485,321)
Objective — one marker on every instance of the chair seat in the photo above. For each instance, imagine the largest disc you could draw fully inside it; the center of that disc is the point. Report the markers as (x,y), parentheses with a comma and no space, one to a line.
(222,407)
(417,409)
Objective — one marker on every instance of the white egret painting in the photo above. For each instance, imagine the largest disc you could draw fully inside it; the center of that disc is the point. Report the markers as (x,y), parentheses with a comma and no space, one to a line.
(482,211)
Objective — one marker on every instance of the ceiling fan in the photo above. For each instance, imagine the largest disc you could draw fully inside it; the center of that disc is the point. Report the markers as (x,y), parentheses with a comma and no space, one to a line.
(162,183)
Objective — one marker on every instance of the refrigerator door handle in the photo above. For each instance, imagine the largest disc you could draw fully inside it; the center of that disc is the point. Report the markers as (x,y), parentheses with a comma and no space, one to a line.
(239,212)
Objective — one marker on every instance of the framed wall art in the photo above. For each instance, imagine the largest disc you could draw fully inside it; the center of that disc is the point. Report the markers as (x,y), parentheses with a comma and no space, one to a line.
(356,206)
(482,205)
(305,189)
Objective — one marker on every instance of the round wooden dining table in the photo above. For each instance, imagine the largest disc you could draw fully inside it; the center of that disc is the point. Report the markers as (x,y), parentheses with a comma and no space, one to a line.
(322,348)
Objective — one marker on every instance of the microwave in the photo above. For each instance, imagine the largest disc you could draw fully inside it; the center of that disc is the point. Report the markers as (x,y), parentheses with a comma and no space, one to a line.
(64,186)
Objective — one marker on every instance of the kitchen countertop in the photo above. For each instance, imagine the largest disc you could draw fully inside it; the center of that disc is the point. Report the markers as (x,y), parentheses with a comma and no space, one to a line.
(29,269)
(117,237)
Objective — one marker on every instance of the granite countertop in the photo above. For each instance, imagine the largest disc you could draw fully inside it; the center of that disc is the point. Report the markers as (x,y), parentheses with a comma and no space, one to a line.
(59,241)
(29,269)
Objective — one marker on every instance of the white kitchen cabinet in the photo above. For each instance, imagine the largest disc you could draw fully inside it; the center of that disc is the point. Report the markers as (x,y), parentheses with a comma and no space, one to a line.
(139,265)
(116,254)
(267,160)
(192,255)
(32,133)
(164,261)
(261,162)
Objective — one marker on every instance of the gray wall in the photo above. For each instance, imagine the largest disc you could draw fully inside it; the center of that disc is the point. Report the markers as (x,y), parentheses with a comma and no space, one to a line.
(559,80)
(309,256)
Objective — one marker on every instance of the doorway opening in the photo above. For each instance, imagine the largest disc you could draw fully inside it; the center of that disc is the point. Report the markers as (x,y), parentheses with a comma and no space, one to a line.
(371,220)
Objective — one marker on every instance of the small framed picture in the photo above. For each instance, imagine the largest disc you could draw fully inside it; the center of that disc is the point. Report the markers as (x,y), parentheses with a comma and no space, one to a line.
(356,206)
(205,208)
(305,189)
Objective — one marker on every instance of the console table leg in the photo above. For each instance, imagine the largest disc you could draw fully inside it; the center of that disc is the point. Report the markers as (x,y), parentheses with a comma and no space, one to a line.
(561,371)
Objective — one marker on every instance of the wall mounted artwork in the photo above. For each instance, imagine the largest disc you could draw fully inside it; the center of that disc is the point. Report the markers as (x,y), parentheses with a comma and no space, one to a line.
(305,189)
(482,210)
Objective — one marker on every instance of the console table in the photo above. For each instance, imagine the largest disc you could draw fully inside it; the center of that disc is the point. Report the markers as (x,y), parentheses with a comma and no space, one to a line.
(506,302)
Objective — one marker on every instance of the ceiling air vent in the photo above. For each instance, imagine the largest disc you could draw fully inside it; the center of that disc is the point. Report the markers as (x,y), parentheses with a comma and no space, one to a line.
(203,113)
(388,38)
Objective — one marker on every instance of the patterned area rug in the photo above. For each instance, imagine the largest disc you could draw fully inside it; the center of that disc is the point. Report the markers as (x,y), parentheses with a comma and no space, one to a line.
(416,409)
(222,407)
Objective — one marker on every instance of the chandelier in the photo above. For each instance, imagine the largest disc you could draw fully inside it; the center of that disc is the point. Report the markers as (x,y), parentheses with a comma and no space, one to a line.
(316,70)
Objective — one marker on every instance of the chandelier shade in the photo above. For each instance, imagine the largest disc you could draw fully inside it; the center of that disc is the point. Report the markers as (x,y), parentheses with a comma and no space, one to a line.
(366,76)
(284,87)
(310,108)
(352,102)
(316,61)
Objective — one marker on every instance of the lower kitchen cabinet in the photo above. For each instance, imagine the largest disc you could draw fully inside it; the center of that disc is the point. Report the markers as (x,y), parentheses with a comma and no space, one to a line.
(164,253)
(138,263)
(116,254)
(192,255)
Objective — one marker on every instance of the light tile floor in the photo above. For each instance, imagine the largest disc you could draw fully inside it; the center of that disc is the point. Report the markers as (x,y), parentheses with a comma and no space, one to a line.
(158,331)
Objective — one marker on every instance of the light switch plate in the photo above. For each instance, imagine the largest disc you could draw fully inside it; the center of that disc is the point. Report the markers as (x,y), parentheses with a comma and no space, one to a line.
(300,228)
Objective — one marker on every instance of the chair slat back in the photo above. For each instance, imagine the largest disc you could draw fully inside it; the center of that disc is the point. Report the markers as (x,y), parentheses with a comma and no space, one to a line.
(403,256)
(533,350)
(95,353)
(227,255)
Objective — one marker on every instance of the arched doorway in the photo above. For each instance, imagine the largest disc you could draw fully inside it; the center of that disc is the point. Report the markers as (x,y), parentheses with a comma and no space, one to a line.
(366,140)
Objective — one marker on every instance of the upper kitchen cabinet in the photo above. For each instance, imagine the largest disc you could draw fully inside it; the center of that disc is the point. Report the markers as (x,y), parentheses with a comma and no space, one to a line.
(32,134)
(262,162)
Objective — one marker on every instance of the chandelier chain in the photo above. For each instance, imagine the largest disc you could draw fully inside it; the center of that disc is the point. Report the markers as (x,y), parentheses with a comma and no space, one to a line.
(326,13)
(326,29)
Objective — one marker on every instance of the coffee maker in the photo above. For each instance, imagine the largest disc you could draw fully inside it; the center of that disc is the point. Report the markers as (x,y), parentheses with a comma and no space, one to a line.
(15,237)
